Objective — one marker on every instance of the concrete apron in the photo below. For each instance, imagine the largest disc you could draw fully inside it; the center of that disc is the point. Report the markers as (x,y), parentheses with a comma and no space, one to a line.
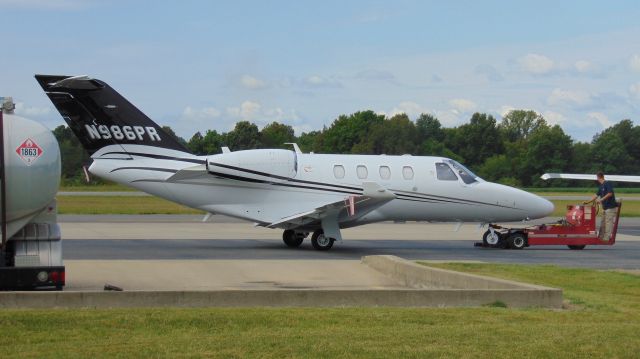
(418,286)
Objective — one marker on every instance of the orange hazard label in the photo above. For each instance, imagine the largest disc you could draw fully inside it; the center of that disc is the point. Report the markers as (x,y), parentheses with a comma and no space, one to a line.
(29,151)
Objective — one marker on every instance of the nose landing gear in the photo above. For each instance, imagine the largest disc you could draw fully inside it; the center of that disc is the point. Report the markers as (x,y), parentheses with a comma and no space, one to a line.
(505,238)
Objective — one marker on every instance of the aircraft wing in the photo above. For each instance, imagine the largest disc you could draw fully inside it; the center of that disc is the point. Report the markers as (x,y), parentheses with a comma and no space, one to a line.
(578,176)
(373,196)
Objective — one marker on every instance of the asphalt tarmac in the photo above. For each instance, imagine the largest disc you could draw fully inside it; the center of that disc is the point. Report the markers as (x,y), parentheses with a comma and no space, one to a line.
(123,237)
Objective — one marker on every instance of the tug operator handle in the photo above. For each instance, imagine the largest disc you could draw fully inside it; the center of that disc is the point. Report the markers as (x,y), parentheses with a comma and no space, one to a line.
(597,201)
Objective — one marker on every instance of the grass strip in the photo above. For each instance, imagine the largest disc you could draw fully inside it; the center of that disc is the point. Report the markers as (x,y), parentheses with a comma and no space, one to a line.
(602,320)
(120,205)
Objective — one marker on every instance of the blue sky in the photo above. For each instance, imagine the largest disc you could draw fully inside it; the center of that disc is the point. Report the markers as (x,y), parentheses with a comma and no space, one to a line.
(198,65)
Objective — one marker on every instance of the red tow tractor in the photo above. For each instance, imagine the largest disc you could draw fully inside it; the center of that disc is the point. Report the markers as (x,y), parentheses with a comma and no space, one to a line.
(576,230)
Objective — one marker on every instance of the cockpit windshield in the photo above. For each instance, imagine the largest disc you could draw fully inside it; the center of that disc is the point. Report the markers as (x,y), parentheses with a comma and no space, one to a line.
(465,174)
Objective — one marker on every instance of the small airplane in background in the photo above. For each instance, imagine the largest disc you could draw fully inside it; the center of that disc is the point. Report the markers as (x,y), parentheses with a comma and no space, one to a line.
(580,176)
(300,193)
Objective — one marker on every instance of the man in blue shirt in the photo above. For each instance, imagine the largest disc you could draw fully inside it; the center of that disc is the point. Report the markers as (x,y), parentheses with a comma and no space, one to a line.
(607,198)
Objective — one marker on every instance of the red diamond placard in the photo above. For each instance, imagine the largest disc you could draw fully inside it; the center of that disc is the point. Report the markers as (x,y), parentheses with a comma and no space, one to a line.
(29,151)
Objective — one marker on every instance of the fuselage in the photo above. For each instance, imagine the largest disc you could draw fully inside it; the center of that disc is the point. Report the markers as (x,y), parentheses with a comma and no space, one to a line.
(267,185)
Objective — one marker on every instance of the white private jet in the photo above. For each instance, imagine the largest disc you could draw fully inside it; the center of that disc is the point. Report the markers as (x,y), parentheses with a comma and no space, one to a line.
(275,188)
(582,176)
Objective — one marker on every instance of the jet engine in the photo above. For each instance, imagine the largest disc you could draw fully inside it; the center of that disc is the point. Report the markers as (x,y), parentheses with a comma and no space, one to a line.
(254,164)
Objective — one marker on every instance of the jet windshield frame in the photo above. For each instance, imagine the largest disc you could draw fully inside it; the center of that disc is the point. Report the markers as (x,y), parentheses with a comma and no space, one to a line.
(465,174)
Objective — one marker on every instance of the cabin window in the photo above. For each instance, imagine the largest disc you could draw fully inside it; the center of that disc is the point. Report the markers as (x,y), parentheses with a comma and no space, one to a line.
(385,172)
(362,171)
(407,172)
(338,171)
(445,173)
(465,174)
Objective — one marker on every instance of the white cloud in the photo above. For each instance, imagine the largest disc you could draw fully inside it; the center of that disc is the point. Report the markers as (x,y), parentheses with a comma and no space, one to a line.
(505,109)
(412,109)
(489,72)
(251,82)
(634,90)
(197,119)
(321,81)
(577,98)
(462,105)
(634,63)
(554,118)
(31,111)
(583,66)
(536,64)
(202,113)
(247,111)
(211,118)
(592,120)
(450,118)
(599,118)
(255,112)
(377,75)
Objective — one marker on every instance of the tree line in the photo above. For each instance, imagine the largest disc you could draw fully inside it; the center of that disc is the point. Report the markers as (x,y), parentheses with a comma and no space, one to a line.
(514,151)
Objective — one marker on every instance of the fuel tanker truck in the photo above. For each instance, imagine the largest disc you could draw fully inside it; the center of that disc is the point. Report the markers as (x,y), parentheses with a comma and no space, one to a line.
(31,249)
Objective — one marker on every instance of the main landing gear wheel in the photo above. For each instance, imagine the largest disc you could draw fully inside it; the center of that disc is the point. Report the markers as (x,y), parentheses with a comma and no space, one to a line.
(292,239)
(320,242)
(491,238)
(517,241)
(576,246)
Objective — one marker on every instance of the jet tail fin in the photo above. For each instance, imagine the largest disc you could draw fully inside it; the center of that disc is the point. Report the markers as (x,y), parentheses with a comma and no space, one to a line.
(99,116)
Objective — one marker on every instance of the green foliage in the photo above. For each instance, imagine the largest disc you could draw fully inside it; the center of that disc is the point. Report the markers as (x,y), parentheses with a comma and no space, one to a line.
(429,128)
(347,131)
(475,141)
(499,168)
(244,136)
(394,136)
(309,141)
(517,125)
(275,135)
(171,133)
(548,150)
(609,153)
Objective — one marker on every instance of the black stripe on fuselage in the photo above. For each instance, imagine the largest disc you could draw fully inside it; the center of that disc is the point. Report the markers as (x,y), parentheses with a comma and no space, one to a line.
(146,169)
(433,200)
(158,157)
(448,199)
(282,177)
(253,180)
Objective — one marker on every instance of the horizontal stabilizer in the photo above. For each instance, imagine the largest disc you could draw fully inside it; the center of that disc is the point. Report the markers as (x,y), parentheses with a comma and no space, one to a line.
(188,173)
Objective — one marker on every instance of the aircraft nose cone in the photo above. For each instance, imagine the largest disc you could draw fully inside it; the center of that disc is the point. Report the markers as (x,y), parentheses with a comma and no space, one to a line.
(538,207)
